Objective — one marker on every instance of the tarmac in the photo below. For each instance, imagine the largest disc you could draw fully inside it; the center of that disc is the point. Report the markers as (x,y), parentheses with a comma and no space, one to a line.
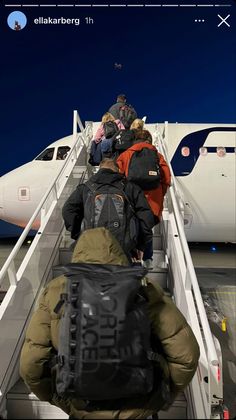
(216,273)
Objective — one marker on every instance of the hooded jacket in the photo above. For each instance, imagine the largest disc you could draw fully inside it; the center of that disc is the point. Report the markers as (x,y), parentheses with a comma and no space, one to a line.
(115,109)
(73,209)
(154,197)
(179,347)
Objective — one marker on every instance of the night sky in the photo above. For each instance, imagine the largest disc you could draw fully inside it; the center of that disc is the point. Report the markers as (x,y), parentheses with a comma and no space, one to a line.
(173,68)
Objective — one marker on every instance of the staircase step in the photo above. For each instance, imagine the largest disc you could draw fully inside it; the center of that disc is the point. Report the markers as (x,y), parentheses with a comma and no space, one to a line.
(159,275)
(2,295)
(22,404)
(79,169)
(178,410)
(82,159)
(159,258)
(156,230)
(65,255)
(157,241)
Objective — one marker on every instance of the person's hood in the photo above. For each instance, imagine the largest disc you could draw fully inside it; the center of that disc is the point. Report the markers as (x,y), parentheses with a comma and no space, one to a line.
(98,246)
(106,176)
(140,145)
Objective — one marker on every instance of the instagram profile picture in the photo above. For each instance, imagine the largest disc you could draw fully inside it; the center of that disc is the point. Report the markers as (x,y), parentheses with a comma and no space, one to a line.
(16,21)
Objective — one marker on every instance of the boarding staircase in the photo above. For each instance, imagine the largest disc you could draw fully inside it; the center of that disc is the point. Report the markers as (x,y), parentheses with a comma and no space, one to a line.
(173,270)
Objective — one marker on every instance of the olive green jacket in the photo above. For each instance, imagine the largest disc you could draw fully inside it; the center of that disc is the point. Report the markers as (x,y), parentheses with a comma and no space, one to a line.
(179,346)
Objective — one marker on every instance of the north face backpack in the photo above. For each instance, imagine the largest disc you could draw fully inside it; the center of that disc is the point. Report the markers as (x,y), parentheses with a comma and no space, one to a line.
(144,169)
(110,129)
(127,115)
(104,348)
(108,206)
(123,140)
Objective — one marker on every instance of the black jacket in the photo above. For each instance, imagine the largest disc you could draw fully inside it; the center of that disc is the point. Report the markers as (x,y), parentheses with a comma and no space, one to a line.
(73,209)
(115,110)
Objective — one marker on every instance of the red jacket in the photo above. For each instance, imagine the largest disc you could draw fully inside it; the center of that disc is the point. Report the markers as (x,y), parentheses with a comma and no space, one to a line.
(154,197)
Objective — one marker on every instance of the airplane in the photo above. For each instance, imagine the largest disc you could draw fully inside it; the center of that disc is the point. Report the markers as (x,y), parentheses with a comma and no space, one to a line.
(202,157)
(22,188)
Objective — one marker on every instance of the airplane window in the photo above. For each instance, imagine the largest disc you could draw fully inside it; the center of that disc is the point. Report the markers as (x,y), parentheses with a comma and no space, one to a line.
(221,151)
(46,154)
(62,152)
(185,151)
(203,151)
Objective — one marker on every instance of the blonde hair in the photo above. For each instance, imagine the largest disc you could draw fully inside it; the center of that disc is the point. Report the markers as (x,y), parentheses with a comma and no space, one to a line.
(137,124)
(107,117)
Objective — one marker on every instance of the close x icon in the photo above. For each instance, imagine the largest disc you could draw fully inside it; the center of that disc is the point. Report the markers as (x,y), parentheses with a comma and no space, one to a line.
(224,20)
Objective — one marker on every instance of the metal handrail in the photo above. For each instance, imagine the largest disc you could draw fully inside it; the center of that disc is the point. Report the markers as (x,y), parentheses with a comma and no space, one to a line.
(160,138)
(15,250)
(50,206)
(211,394)
(211,351)
(164,152)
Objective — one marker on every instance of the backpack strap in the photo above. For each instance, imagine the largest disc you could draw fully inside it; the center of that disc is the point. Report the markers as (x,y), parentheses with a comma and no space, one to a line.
(92,186)
(63,299)
(124,182)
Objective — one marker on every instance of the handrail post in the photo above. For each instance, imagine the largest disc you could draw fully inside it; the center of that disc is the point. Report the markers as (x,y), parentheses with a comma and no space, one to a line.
(163,150)
(12,273)
(56,191)
(79,122)
(83,131)
(166,131)
(75,154)
(42,216)
(75,113)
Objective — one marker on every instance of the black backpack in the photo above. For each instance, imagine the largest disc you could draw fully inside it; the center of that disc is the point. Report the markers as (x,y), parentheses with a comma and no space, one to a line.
(104,348)
(108,206)
(127,115)
(144,169)
(123,140)
(110,129)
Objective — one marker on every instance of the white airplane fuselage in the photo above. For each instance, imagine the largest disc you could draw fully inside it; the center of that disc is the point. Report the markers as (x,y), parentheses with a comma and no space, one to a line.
(22,188)
(206,180)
